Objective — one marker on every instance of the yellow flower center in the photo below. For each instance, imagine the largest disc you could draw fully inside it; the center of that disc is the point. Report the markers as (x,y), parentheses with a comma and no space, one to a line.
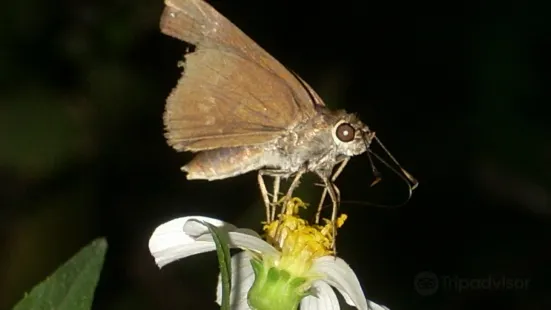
(282,281)
(300,243)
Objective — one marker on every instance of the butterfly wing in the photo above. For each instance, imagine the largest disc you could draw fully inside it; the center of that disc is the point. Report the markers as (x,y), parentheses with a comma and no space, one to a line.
(231,92)
(223,100)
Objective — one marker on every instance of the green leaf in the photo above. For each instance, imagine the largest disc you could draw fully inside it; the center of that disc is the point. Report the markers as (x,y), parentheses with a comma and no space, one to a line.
(221,240)
(71,286)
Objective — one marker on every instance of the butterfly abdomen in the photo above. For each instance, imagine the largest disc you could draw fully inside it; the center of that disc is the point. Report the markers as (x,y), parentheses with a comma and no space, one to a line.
(224,163)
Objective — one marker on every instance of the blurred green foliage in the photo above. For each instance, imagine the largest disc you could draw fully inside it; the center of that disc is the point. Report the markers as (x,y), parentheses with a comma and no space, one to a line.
(72,286)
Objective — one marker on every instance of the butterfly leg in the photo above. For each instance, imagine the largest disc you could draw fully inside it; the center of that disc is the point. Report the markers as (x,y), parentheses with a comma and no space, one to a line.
(277,175)
(335,199)
(277,182)
(324,193)
(264,193)
(292,187)
(271,207)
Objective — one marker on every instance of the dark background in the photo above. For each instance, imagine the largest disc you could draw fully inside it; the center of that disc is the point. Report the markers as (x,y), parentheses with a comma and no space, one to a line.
(457,93)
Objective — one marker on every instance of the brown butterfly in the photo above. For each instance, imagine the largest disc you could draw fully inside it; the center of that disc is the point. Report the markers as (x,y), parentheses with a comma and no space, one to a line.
(240,110)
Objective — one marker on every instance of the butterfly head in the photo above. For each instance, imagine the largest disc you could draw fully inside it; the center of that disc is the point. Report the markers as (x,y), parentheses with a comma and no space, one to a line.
(351,136)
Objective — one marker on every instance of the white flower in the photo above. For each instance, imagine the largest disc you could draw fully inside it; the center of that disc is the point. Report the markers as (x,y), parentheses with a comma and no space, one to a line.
(186,236)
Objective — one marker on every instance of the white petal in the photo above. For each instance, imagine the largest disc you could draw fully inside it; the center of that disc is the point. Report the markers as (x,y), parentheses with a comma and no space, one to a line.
(194,228)
(242,279)
(375,306)
(244,239)
(186,236)
(342,277)
(324,298)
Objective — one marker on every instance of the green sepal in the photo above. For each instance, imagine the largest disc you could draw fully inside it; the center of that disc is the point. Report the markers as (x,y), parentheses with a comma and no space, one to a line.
(275,289)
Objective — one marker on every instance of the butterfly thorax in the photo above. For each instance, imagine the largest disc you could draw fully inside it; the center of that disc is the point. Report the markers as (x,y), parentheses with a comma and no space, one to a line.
(315,145)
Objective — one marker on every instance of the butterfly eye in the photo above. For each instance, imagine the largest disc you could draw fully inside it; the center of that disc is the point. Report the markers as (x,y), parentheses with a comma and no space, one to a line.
(345,132)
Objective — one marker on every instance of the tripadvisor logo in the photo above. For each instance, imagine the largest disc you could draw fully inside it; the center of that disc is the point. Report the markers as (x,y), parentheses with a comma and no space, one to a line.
(427,283)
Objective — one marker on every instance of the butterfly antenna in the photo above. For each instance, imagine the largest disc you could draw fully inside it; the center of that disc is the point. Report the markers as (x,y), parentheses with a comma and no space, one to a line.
(411,182)
(403,176)
(406,176)
(374,169)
